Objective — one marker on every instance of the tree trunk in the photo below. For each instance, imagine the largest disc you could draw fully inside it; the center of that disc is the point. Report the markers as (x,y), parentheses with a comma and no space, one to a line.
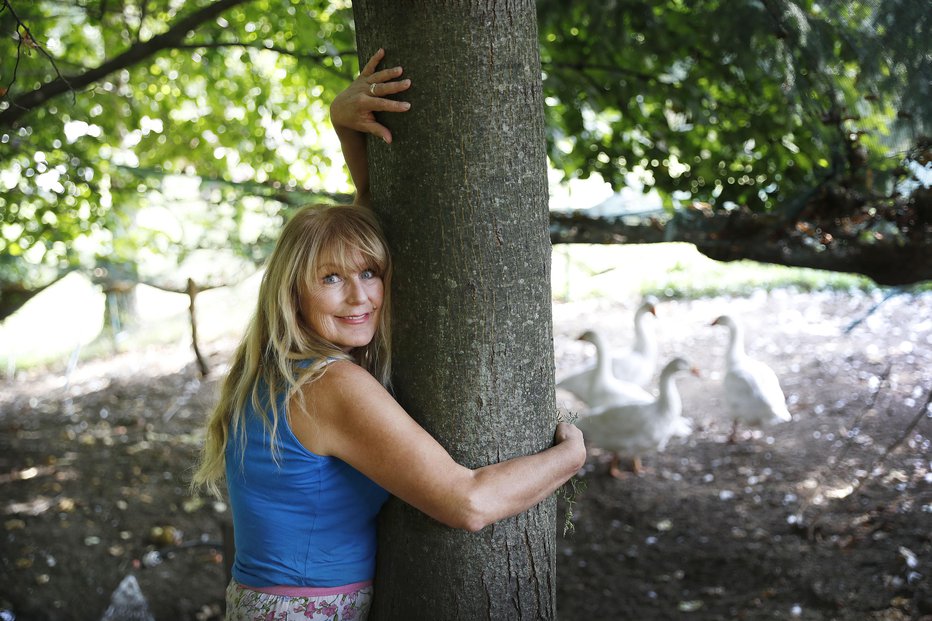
(202,365)
(462,192)
(118,281)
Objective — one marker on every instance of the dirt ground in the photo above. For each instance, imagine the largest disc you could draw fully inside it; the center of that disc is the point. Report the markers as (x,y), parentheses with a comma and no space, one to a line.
(826,517)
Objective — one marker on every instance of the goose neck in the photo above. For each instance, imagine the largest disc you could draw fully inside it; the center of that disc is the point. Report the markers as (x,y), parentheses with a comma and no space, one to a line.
(669,399)
(603,363)
(735,343)
(643,342)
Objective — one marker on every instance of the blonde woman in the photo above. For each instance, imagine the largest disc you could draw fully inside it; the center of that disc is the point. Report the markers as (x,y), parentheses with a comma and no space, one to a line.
(306,435)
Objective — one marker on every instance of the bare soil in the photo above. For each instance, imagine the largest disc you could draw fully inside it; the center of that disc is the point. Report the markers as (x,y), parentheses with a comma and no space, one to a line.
(826,517)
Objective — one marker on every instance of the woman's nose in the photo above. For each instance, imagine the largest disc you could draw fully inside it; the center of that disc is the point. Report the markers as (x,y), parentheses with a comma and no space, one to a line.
(357,292)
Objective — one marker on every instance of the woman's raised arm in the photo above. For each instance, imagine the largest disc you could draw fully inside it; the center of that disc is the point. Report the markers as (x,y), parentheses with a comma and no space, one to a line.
(355,419)
(352,114)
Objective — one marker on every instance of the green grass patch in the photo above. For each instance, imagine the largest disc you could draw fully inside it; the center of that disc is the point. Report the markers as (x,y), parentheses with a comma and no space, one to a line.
(677,270)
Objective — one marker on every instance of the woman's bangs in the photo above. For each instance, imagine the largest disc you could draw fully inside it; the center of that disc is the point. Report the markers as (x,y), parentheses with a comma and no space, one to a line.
(342,251)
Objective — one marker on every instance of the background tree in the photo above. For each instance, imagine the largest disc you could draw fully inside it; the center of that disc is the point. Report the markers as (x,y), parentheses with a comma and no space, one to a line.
(462,192)
(149,131)
(792,125)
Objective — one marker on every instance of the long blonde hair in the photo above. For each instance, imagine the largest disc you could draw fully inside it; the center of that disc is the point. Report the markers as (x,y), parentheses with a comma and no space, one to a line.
(277,339)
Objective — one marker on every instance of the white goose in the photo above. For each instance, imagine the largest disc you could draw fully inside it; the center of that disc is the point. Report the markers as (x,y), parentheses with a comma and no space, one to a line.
(596,386)
(638,365)
(637,428)
(752,390)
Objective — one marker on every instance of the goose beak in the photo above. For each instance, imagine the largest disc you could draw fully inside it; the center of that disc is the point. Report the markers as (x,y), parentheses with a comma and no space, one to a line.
(695,371)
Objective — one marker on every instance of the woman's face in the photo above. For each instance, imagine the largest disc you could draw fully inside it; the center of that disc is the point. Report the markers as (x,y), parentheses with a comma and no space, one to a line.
(343,306)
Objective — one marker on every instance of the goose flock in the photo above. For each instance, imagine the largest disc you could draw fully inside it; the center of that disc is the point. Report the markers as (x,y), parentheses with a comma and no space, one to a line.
(628,421)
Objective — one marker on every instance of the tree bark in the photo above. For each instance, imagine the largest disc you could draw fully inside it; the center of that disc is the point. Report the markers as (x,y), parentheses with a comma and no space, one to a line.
(462,192)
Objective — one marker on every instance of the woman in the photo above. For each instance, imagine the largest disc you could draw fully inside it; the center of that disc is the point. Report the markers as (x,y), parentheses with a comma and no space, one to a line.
(307,436)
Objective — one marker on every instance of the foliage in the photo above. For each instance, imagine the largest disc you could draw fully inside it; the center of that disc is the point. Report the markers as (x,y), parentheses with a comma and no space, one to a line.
(120,120)
(235,104)
(744,101)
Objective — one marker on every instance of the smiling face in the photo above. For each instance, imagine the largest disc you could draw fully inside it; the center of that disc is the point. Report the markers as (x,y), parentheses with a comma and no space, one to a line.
(343,302)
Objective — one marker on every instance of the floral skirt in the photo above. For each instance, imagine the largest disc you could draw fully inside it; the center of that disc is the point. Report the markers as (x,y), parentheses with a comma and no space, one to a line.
(346,603)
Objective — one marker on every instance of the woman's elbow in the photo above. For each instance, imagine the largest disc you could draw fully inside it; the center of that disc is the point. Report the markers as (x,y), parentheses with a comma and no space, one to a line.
(467,514)
(474,523)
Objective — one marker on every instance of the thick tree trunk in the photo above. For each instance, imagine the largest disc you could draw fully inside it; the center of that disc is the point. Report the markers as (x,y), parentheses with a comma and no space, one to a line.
(462,193)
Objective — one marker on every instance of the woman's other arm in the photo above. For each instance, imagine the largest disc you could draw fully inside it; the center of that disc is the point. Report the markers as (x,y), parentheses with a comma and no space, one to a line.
(352,114)
(355,419)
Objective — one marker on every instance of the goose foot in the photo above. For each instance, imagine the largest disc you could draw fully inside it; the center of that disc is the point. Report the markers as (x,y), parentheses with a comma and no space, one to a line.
(614,471)
(733,436)
(617,473)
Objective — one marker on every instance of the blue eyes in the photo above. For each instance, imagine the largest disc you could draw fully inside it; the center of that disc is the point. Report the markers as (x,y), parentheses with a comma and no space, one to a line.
(335,279)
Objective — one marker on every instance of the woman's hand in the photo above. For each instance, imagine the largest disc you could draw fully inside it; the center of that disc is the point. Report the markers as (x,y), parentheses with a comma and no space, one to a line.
(570,435)
(566,432)
(354,108)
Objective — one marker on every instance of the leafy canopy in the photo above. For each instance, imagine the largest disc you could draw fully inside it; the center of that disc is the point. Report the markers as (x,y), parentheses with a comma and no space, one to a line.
(753,102)
(238,102)
(121,119)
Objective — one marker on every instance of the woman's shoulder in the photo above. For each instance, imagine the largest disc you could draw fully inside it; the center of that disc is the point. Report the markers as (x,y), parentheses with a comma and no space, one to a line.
(342,397)
(346,370)
(344,375)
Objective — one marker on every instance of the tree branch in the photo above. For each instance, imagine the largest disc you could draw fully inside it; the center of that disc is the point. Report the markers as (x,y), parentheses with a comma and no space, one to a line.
(23,104)
(317,58)
(583,67)
(30,42)
(734,236)
(270,190)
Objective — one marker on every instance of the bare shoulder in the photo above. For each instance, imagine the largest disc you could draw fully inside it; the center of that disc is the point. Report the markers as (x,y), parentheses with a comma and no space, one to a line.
(334,403)
(346,391)
(344,378)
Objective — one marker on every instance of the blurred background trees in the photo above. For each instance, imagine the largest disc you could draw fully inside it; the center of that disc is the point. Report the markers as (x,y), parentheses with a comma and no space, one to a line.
(187,149)
(172,137)
(794,129)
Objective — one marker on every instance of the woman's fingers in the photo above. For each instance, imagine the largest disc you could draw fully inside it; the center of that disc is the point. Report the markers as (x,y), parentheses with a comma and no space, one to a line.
(377,100)
(384,75)
(373,62)
(383,89)
(566,431)
(354,108)
(384,82)
(380,104)
(377,129)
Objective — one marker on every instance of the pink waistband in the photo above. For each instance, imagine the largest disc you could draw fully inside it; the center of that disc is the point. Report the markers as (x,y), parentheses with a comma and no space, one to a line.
(299,591)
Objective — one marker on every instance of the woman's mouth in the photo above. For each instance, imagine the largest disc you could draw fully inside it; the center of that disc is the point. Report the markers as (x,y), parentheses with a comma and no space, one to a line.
(354,319)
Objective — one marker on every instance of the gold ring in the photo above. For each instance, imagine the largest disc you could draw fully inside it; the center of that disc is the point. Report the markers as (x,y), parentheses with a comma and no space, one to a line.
(372,89)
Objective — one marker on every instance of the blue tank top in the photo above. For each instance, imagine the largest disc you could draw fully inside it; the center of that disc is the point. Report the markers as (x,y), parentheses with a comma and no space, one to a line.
(307,520)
